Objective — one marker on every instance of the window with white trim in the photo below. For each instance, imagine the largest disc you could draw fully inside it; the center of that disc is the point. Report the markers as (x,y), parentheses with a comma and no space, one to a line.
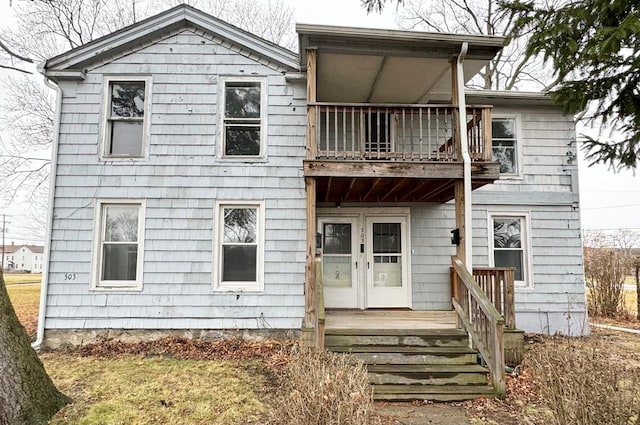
(504,145)
(509,245)
(120,236)
(125,117)
(240,246)
(242,134)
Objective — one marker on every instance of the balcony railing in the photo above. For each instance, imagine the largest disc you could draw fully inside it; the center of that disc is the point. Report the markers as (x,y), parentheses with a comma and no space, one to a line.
(349,131)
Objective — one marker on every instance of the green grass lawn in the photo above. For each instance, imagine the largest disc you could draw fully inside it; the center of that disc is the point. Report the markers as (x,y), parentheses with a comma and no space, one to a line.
(13,278)
(146,391)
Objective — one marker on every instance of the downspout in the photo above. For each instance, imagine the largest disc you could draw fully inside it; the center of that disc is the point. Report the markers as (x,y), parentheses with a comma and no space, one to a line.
(49,228)
(466,159)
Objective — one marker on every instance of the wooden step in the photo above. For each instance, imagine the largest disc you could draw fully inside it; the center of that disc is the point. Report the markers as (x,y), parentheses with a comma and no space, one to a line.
(427,374)
(410,355)
(431,392)
(427,338)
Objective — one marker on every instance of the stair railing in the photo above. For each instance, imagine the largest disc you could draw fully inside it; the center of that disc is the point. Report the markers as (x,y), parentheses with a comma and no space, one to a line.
(481,320)
(498,284)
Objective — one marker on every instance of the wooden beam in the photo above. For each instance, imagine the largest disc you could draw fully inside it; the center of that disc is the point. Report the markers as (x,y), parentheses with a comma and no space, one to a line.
(326,195)
(487,134)
(393,189)
(346,195)
(310,292)
(443,187)
(312,58)
(415,189)
(426,170)
(373,186)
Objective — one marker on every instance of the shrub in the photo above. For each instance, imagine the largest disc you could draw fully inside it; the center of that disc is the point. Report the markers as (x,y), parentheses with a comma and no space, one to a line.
(583,385)
(323,388)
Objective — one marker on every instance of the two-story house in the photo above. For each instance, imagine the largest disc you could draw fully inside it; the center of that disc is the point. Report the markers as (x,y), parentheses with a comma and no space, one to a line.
(207,181)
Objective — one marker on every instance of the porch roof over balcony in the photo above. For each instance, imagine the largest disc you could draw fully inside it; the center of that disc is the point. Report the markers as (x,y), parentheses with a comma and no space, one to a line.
(390,66)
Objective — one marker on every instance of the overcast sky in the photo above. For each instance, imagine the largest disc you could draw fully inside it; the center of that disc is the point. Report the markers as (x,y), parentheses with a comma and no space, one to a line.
(608,200)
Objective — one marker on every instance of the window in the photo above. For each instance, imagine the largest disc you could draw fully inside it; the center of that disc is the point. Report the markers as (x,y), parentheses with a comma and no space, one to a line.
(505,145)
(510,246)
(242,119)
(240,244)
(125,129)
(120,236)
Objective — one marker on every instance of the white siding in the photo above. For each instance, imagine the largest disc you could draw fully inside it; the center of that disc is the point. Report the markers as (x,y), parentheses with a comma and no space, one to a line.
(180,181)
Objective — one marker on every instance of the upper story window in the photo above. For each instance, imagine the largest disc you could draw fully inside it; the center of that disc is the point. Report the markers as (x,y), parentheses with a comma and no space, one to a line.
(119,234)
(126,117)
(243,119)
(505,145)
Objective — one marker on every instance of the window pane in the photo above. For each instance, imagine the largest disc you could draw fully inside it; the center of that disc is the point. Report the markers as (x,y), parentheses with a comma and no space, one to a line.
(503,128)
(119,261)
(242,100)
(121,224)
(239,263)
(386,238)
(337,239)
(506,233)
(240,225)
(510,258)
(242,140)
(126,138)
(336,271)
(505,153)
(127,99)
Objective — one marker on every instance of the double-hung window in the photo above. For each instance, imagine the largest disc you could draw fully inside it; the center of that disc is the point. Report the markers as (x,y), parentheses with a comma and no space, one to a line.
(504,145)
(125,117)
(242,123)
(510,246)
(120,236)
(240,246)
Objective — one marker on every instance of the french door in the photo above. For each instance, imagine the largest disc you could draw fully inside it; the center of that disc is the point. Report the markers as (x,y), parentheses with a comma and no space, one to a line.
(365,261)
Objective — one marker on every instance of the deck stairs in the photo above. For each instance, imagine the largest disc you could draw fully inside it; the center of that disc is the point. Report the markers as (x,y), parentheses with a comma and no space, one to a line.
(407,364)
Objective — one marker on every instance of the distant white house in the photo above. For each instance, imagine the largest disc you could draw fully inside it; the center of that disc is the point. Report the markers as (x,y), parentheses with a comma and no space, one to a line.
(22,258)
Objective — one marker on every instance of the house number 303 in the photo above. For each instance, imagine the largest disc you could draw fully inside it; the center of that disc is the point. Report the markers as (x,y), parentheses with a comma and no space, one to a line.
(69,276)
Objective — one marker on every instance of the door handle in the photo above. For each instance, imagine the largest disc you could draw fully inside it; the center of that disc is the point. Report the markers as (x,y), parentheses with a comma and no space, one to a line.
(368,266)
(356,264)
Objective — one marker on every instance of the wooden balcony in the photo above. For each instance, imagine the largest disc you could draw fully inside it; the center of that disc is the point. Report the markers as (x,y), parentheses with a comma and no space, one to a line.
(394,153)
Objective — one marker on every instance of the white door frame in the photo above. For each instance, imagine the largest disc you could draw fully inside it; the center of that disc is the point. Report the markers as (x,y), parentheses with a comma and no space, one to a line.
(362,213)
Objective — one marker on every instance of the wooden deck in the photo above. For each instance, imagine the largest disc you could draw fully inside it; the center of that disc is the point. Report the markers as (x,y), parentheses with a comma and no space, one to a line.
(389,319)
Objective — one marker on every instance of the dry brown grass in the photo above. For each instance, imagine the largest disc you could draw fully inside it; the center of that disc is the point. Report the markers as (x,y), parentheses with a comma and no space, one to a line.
(13,278)
(26,302)
(323,388)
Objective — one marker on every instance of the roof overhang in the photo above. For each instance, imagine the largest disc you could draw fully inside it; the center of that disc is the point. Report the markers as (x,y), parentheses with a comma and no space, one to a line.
(390,66)
(71,64)
(509,98)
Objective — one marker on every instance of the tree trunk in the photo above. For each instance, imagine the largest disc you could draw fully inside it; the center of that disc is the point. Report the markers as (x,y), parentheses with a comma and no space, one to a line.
(27,395)
(638,291)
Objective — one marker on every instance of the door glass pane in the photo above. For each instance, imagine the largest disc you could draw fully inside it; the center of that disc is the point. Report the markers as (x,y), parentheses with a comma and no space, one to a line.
(336,271)
(337,255)
(387,269)
(337,238)
(386,238)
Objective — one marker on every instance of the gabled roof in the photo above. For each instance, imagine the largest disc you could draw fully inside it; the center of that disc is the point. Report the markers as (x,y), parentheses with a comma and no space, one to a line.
(71,64)
(9,249)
